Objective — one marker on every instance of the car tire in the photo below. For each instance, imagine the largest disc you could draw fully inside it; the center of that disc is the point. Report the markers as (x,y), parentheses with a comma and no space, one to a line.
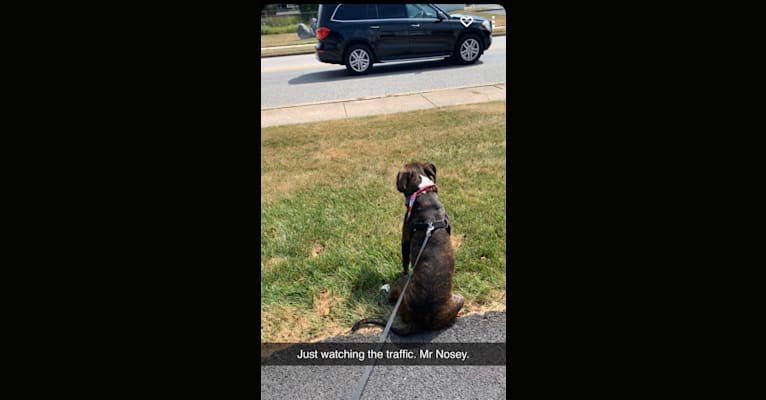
(467,50)
(358,59)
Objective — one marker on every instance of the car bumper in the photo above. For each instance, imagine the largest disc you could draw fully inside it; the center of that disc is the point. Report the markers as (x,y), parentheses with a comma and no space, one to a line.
(327,54)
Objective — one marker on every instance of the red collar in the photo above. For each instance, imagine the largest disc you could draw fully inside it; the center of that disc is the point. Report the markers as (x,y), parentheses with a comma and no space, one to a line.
(411,201)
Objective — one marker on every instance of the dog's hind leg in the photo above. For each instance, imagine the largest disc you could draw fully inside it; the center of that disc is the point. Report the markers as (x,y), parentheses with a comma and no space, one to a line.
(396,289)
(457,303)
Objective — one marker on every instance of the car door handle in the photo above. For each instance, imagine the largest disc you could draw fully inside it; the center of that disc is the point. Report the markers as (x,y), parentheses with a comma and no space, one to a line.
(375,27)
(415,25)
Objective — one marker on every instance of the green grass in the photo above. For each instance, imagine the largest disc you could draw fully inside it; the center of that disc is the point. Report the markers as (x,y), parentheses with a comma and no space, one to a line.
(331,216)
(285,39)
(272,30)
(270,52)
(283,23)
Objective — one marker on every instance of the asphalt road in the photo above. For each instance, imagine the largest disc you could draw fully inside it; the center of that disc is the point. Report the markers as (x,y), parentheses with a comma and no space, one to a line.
(303,79)
(399,381)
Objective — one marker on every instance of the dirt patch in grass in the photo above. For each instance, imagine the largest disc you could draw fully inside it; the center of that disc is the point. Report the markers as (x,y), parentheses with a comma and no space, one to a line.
(494,302)
(281,324)
(298,327)
(322,303)
(271,263)
(336,329)
(457,241)
(287,324)
(316,249)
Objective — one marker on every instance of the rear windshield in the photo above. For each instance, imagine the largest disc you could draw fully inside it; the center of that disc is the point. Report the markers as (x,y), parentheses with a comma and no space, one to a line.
(349,12)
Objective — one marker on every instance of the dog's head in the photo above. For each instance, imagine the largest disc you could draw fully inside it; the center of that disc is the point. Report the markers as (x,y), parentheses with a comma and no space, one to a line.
(415,175)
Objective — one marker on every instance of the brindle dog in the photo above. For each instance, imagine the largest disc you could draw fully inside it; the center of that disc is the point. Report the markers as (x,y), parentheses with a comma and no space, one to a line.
(428,303)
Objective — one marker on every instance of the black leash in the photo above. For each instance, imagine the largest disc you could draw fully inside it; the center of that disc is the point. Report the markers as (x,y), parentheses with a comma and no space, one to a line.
(368,370)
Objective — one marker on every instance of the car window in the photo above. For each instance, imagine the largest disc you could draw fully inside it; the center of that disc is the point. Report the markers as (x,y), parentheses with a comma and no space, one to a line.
(420,11)
(348,12)
(392,11)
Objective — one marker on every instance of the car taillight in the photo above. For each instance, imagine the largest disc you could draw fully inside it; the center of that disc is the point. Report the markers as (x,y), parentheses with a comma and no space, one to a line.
(322,32)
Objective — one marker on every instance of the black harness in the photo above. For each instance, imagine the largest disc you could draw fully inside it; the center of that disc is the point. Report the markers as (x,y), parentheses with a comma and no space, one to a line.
(422,226)
(416,226)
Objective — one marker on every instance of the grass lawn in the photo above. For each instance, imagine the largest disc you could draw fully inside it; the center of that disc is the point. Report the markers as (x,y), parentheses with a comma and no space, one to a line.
(284,39)
(266,52)
(331,215)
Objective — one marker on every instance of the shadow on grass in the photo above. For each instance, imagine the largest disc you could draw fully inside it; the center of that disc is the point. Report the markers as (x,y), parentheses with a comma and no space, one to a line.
(378,70)
(366,287)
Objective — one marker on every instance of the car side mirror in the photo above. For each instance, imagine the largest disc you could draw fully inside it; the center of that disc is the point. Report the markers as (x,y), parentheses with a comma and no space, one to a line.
(441,16)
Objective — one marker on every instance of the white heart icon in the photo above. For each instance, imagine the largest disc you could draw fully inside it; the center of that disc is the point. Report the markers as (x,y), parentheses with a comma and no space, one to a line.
(466,20)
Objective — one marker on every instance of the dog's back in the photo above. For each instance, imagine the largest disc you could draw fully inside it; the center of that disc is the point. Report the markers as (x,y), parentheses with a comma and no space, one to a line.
(428,301)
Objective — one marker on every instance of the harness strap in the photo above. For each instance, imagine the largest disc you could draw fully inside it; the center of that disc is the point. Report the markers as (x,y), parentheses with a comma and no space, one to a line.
(368,370)
(411,201)
(421,226)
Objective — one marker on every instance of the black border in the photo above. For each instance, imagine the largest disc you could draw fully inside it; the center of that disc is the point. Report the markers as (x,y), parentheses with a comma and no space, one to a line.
(152,114)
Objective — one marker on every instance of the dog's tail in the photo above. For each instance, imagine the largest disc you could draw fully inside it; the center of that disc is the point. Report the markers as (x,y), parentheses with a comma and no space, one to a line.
(399,330)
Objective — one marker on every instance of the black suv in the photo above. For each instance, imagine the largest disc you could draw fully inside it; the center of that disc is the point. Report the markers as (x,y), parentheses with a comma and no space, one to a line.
(358,35)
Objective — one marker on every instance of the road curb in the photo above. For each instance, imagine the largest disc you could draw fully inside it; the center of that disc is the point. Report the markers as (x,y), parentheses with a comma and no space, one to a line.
(316,103)
(381,105)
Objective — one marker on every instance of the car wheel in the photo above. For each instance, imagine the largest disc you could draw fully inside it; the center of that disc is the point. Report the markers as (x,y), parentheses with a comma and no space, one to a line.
(468,50)
(358,59)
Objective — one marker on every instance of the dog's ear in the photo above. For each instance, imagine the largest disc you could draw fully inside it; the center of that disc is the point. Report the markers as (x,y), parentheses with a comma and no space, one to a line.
(430,170)
(402,178)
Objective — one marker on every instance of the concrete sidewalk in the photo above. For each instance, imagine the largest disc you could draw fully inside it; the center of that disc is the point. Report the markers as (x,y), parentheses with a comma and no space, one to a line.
(339,109)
